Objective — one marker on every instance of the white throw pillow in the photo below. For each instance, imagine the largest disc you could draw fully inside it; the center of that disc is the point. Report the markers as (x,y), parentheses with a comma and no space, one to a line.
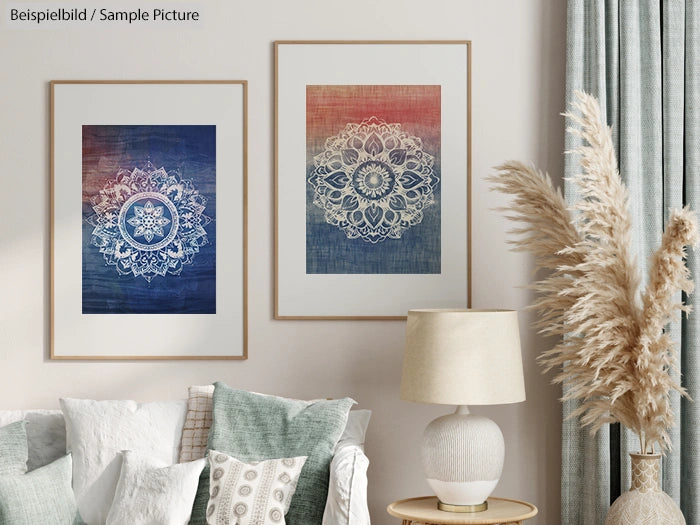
(257,493)
(197,423)
(151,492)
(97,432)
(347,492)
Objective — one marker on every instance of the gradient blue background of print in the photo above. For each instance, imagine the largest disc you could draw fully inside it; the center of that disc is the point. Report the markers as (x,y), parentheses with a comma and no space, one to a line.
(328,250)
(191,150)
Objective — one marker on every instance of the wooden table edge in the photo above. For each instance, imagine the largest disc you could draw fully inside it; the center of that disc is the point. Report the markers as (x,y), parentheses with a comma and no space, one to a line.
(531,514)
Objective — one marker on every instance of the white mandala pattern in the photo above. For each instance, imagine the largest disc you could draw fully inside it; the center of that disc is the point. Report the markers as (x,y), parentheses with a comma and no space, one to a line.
(373,180)
(148,222)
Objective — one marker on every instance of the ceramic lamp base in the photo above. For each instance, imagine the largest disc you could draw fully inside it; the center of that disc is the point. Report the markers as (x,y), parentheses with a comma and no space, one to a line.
(450,492)
(463,459)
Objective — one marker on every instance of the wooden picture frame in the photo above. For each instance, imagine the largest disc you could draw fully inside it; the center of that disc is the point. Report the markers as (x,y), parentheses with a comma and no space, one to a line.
(148,219)
(372,178)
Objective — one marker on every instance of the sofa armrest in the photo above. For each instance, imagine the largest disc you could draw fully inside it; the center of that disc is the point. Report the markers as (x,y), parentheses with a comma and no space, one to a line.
(347,489)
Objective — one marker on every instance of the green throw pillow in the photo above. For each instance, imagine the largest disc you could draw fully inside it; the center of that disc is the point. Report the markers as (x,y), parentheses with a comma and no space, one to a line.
(42,496)
(201,499)
(13,449)
(253,427)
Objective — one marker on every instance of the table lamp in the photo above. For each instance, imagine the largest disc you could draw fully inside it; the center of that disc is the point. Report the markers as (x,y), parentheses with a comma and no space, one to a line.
(462,357)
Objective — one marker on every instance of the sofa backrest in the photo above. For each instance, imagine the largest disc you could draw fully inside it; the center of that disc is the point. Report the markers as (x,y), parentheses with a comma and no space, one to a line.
(46,434)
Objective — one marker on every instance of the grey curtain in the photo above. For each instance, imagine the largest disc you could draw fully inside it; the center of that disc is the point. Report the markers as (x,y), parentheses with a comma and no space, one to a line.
(641,59)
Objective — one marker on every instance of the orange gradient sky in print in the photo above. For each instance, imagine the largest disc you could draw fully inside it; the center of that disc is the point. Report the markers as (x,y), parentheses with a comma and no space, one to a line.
(330,108)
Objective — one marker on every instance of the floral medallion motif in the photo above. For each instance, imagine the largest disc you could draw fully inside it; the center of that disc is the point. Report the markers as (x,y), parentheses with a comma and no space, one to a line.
(373,180)
(148,222)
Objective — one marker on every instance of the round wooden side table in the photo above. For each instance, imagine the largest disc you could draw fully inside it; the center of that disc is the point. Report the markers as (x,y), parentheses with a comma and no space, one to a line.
(424,510)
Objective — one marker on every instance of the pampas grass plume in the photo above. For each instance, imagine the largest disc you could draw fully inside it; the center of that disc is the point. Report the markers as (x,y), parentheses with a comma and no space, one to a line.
(613,353)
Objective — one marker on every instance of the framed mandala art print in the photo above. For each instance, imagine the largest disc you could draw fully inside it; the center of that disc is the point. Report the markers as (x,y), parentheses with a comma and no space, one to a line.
(372,178)
(148,222)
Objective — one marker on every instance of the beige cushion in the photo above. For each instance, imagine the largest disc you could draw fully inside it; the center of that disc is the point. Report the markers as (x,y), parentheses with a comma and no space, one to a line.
(256,493)
(197,423)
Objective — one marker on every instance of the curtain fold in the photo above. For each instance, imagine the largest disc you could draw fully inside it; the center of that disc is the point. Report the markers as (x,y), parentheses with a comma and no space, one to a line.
(690,357)
(640,58)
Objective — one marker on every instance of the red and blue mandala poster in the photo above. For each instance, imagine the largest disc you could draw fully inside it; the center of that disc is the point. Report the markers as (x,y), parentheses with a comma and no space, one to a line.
(373,179)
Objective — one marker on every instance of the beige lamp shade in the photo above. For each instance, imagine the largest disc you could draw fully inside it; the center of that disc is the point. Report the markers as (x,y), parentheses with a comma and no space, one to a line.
(463,357)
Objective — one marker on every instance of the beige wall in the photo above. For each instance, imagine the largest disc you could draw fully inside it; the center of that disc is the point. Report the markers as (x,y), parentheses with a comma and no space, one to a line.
(518,82)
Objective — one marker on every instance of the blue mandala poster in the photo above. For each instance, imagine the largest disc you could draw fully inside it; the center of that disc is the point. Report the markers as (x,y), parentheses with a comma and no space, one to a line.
(149,219)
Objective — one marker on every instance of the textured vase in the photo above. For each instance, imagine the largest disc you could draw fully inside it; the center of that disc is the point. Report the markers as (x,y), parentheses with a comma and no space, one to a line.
(645,503)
